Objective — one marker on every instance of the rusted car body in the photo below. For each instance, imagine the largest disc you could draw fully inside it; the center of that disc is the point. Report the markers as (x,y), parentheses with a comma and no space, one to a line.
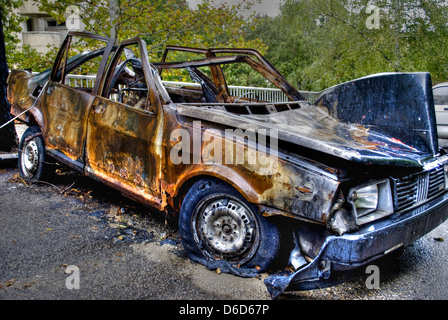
(356,175)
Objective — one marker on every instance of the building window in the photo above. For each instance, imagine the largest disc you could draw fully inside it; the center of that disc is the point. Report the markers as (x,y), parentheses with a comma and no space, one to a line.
(54,24)
(29,25)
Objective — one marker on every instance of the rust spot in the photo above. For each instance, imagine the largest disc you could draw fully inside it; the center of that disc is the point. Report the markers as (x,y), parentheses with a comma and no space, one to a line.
(331,170)
(324,217)
(360,135)
(304,190)
(168,188)
(124,173)
(139,183)
(111,167)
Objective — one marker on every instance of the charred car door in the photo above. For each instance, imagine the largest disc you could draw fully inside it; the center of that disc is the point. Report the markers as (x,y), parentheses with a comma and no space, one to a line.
(68,96)
(122,146)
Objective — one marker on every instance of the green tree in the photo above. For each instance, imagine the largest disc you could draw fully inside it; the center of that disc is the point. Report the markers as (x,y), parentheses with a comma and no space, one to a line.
(20,56)
(319,43)
(161,22)
(158,22)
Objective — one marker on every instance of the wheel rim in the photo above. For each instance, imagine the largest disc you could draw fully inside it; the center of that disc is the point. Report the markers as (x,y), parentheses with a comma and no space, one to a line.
(30,158)
(225,228)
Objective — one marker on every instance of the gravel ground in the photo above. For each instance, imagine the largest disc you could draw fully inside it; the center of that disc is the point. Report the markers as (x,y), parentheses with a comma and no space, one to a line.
(125,251)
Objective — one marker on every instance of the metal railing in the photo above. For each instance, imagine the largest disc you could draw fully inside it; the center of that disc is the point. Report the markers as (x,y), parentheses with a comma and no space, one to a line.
(262,94)
(80,81)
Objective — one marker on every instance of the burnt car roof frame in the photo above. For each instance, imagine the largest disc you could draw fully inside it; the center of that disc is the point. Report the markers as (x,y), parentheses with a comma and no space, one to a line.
(62,57)
(154,99)
(240,55)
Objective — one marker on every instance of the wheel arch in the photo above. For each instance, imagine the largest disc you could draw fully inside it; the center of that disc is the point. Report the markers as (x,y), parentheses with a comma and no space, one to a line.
(32,117)
(223,174)
(35,117)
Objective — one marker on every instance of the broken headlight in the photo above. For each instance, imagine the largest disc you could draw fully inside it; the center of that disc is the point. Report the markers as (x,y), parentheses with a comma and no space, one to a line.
(372,201)
(365,199)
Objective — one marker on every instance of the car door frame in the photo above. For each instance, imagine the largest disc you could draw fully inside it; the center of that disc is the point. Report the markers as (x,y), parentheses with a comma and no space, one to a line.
(53,149)
(108,174)
(62,56)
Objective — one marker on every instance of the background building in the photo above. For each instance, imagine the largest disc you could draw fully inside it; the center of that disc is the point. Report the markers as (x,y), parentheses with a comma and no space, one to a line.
(40,30)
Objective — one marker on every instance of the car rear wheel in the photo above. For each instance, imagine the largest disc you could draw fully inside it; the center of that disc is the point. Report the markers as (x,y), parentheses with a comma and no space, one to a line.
(32,155)
(217,223)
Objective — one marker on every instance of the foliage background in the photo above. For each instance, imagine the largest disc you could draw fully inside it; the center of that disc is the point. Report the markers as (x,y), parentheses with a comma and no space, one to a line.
(314,43)
(319,43)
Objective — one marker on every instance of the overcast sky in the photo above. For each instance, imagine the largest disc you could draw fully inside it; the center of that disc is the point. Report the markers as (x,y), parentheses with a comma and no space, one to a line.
(270,7)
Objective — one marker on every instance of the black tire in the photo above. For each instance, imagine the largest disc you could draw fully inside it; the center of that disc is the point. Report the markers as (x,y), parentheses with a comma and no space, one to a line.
(32,158)
(217,224)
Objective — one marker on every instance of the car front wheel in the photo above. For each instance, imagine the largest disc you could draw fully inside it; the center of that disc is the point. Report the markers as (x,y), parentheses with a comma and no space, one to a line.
(218,224)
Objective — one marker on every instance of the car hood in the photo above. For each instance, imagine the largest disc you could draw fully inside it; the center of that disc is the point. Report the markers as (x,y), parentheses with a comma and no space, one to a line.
(385,119)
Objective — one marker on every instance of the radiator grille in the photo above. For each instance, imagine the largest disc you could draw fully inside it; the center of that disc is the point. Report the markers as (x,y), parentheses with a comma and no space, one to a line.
(416,189)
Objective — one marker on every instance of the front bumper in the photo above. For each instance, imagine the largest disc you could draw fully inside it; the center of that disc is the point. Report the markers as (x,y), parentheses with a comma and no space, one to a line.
(349,251)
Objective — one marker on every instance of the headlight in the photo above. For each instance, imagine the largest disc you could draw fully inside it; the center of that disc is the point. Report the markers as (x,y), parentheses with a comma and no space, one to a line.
(365,199)
(372,201)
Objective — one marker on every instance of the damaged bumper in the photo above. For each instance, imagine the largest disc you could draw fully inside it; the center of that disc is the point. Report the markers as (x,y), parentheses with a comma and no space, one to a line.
(349,251)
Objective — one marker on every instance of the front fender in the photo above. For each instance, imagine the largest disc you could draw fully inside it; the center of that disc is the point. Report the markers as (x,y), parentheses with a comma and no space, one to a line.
(293,190)
(23,91)
(221,172)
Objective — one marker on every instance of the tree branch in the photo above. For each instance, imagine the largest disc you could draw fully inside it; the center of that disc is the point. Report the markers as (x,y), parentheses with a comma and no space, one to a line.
(362,34)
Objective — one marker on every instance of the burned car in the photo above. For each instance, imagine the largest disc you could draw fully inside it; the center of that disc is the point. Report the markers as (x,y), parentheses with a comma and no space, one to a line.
(355,175)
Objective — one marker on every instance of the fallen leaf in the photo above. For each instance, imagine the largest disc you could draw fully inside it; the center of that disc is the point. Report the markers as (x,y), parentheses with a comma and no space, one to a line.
(10,282)
(27,285)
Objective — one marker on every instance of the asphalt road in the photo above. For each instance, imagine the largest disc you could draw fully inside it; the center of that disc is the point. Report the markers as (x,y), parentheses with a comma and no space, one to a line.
(71,228)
